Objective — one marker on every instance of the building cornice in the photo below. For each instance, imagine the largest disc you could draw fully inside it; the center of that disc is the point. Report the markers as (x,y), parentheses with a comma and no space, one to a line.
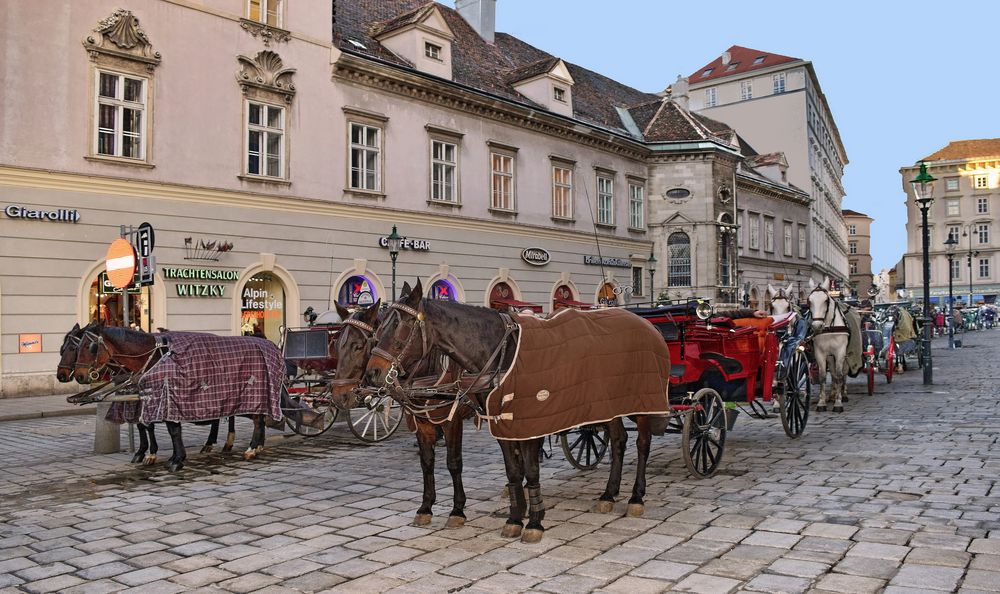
(771,189)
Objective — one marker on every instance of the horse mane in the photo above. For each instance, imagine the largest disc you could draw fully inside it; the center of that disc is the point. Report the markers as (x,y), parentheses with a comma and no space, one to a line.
(120,337)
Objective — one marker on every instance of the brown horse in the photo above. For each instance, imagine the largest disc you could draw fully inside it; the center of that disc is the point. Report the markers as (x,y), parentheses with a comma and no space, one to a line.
(354,347)
(137,352)
(474,338)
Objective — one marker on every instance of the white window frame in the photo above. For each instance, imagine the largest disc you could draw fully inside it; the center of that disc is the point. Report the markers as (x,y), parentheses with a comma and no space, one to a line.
(433,51)
(636,206)
(956,269)
(802,241)
(953,207)
(951,184)
(562,191)
(768,234)
(605,200)
(852,229)
(853,267)
(711,97)
(364,150)
(982,205)
(120,105)
(983,233)
(852,247)
(981,182)
(502,182)
(637,281)
(746,90)
(442,188)
(266,133)
(788,239)
(754,231)
(267,7)
(984,267)
(779,82)
(679,267)
(954,231)
(559,94)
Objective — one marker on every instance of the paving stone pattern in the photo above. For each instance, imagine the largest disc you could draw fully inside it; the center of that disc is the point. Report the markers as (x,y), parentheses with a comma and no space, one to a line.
(897,494)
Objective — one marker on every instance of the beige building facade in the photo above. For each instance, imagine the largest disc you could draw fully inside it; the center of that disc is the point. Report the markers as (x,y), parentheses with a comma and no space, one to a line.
(965,208)
(859,251)
(777,104)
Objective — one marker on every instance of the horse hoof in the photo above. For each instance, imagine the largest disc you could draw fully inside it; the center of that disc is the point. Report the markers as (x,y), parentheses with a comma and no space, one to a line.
(149,460)
(207,449)
(137,458)
(422,519)
(532,535)
(635,510)
(505,493)
(455,522)
(511,530)
(249,455)
(821,408)
(604,507)
(227,448)
(173,466)
(844,399)
(838,409)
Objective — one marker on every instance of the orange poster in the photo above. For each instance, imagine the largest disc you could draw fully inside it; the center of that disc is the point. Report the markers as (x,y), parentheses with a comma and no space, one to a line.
(29,343)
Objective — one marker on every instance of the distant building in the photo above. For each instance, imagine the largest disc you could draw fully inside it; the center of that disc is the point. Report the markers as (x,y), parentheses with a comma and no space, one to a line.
(965,207)
(859,256)
(776,103)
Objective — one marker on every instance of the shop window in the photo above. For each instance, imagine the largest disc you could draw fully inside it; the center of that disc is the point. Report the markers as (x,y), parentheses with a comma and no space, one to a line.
(105,304)
(357,291)
(262,306)
(443,290)
(608,295)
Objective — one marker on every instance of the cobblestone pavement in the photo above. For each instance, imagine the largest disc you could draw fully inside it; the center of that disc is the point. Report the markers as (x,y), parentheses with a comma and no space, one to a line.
(897,494)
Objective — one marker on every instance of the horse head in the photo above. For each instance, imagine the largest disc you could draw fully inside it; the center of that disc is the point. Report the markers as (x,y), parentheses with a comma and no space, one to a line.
(92,354)
(819,302)
(400,339)
(67,354)
(353,348)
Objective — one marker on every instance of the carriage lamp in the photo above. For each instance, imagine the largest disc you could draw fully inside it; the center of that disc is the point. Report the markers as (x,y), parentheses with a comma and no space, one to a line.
(309,315)
(950,246)
(651,263)
(395,242)
(923,192)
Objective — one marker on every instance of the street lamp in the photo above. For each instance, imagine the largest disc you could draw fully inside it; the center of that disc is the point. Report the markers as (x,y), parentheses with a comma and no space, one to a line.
(967,232)
(951,243)
(923,191)
(651,263)
(394,241)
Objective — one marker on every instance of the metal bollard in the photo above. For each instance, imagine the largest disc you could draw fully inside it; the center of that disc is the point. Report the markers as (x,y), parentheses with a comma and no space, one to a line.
(107,435)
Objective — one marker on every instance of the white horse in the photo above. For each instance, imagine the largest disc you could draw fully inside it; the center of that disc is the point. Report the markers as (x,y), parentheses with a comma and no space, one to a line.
(830,338)
(780,302)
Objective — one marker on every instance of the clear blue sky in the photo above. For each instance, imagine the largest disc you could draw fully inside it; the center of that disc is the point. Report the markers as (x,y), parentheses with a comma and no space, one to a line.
(902,78)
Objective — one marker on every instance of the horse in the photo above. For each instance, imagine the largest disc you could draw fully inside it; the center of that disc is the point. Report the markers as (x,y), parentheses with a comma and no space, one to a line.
(832,328)
(353,349)
(137,352)
(476,339)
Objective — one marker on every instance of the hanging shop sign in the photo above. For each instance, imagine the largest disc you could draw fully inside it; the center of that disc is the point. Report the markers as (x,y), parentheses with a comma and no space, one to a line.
(104,286)
(608,261)
(61,215)
(536,256)
(421,245)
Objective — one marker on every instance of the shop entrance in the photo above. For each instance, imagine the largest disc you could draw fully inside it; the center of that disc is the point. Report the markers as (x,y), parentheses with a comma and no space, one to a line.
(262,306)
(104,302)
(357,291)
(607,295)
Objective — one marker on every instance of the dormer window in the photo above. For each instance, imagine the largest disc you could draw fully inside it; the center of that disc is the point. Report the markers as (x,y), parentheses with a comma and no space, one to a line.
(432,51)
(758,60)
(732,66)
(559,94)
(707,72)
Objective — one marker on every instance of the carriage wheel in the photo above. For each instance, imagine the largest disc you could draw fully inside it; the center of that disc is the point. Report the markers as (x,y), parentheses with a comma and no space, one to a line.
(376,420)
(585,446)
(704,437)
(795,397)
(310,414)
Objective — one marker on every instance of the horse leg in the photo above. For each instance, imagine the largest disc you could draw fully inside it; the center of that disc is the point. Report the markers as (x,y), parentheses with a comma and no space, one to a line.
(514,466)
(426,437)
(213,436)
(536,507)
(154,447)
(618,438)
(821,366)
(636,506)
(143,445)
(839,383)
(176,461)
(257,441)
(453,439)
(231,436)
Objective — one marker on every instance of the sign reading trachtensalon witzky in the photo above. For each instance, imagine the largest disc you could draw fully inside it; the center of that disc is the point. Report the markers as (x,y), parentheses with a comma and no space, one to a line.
(60,215)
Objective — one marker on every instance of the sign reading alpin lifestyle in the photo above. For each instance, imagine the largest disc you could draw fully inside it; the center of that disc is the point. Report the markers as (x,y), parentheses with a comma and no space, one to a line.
(607,261)
(197,289)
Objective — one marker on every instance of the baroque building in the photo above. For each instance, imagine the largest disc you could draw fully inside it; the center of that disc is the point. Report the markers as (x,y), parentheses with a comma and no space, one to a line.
(859,251)
(965,207)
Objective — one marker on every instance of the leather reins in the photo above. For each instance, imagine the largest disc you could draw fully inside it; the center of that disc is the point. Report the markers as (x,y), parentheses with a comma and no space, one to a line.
(368,335)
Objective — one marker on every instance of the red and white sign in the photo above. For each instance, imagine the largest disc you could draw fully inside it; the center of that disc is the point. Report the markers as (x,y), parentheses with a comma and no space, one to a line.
(120,263)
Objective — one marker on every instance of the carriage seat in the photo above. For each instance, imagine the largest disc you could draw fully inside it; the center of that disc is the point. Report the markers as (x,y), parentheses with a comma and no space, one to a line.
(728,364)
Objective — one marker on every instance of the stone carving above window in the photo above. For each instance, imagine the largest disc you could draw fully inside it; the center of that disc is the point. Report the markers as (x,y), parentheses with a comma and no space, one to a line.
(120,36)
(725,194)
(266,32)
(265,73)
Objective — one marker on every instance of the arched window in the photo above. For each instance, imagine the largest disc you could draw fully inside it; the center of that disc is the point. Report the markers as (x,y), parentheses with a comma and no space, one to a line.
(679,252)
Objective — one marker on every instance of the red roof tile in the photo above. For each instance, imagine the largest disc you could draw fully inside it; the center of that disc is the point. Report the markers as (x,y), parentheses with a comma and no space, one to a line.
(853,213)
(967,149)
(741,60)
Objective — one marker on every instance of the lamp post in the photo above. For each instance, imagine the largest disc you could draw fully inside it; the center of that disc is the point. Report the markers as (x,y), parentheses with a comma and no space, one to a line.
(951,243)
(651,263)
(967,232)
(394,241)
(923,191)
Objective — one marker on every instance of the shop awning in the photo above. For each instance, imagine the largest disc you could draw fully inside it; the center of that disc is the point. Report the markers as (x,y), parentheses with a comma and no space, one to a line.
(574,303)
(517,305)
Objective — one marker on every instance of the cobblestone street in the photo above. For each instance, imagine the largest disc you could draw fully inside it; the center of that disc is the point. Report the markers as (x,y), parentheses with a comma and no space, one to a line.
(899,493)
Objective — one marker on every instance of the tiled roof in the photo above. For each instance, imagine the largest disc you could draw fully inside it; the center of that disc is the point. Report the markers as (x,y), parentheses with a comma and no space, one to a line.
(664,120)
(478,64)
(533,69)
(967,149)
(853,213)
(741,60)
(768,159)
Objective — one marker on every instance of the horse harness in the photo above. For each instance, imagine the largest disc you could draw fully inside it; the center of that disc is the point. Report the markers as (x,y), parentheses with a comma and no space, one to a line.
(831,315)
(97,342)
(367,333)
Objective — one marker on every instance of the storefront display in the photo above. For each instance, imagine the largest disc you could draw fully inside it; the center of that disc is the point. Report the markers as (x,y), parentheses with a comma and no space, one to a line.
(357,291)
(443,290)
(262,306)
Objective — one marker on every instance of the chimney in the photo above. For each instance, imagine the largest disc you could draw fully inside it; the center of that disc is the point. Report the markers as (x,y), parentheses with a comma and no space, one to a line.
(481,15)
(726,58)
(680,91)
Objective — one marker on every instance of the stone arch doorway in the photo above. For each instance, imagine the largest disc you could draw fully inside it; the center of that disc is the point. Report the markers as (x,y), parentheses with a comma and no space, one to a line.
(266,299)
(357,286)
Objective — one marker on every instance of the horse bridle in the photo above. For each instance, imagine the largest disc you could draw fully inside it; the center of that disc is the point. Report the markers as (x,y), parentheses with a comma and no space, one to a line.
(395,364)
(97,341)
(368,335)
(827,323)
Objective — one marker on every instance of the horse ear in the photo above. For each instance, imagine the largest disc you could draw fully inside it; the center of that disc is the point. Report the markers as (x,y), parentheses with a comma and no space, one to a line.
(826,283)
(405,291)
(790,287)
(416,294)
(771,290)
(75,327)
(372,312)
(812,284)
(342,311)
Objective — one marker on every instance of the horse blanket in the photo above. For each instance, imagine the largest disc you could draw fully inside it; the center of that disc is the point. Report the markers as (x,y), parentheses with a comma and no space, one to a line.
(854,350)
(125,412)
(204,377)
(579,367)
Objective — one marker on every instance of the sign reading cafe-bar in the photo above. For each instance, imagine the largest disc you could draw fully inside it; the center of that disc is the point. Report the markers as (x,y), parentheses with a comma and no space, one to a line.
(200,289)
